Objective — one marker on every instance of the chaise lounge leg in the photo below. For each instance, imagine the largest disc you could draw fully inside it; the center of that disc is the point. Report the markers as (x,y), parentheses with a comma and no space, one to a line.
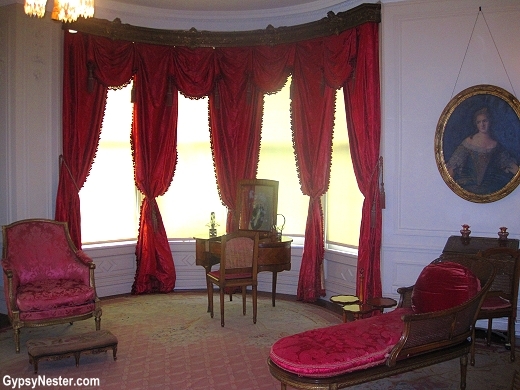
(463,371)
(472,348)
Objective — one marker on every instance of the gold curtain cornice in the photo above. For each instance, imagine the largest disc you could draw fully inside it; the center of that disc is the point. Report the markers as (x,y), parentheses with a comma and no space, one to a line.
(332,24)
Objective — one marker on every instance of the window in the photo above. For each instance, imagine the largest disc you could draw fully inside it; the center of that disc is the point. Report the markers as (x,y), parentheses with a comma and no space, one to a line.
(277,162)
(109,201)
(192,197)
(343,202)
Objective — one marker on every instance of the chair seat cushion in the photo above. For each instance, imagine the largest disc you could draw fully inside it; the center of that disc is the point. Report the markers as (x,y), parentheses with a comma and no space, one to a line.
(495,303)
(52,294)
(342,348)
(443,285)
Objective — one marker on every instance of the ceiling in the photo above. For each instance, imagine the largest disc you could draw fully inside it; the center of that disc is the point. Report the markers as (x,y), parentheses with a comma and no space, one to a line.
(220,5)
(219,15)
(216,15)
(223,5)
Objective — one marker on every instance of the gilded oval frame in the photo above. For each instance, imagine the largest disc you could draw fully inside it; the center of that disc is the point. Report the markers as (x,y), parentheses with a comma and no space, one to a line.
(456,124)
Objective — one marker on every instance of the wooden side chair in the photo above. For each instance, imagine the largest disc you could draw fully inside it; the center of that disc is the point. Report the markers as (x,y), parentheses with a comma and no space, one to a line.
(502,297)
(238,268)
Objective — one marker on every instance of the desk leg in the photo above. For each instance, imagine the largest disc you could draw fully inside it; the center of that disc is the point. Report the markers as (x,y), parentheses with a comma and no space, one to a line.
(273,293)
(208,270)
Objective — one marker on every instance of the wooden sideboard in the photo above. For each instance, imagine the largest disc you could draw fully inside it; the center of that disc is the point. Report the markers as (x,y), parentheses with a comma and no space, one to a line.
(273,256)
(473,245)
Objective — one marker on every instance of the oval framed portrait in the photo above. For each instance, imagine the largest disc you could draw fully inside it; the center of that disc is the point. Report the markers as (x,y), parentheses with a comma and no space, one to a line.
(477,143)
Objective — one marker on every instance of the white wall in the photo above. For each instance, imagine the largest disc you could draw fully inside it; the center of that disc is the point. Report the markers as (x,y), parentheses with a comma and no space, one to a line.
(30,116)
(423,48)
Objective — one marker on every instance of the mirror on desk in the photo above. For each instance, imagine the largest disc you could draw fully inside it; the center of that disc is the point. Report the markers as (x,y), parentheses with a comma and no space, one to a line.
(257,204)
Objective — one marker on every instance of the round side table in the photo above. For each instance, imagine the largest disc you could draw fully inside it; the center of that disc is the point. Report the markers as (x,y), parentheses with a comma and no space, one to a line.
(356,311)
(382,303)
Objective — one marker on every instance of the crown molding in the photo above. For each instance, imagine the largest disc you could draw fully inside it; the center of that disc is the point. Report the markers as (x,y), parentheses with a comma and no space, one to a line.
(332,24)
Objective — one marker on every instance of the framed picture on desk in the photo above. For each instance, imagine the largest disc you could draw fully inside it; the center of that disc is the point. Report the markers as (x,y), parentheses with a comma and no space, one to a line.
(257,204)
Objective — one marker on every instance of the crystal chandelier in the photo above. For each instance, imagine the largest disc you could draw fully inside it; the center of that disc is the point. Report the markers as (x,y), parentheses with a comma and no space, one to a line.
(64,10)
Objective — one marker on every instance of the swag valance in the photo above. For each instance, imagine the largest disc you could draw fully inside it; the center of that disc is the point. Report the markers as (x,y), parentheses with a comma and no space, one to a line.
(235,79)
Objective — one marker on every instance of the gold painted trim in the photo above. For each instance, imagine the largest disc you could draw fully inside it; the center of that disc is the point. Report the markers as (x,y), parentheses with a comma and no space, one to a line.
(452,106)
(333,24)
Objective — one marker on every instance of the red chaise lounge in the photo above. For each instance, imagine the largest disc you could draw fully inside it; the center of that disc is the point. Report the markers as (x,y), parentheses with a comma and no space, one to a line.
(434,322)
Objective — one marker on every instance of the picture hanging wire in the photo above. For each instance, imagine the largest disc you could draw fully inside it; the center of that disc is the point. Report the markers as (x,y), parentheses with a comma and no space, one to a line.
(494,43)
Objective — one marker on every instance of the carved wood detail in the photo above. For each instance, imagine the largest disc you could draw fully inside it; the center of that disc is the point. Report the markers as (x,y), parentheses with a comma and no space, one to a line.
(332,24)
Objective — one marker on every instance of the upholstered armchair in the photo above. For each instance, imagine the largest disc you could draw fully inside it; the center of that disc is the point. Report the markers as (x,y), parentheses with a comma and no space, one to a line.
(47,281)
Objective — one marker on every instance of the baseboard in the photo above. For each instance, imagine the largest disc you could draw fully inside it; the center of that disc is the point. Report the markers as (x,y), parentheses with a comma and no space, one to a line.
(4,321)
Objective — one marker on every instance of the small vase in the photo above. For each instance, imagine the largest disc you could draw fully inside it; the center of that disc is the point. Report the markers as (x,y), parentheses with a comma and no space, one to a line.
(502,234)
(465,232)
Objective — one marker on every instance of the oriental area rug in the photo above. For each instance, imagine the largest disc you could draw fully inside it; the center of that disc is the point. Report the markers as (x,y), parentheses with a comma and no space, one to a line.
(169,341)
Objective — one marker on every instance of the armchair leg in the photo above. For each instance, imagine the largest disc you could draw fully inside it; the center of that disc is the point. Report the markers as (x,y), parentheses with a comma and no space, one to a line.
(98,322)
(17,339)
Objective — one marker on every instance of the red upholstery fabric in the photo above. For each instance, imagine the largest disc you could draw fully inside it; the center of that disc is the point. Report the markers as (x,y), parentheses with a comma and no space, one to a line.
(52,294)
(495,303)
(443,285)
(48,257)
(68,311)
(341,348)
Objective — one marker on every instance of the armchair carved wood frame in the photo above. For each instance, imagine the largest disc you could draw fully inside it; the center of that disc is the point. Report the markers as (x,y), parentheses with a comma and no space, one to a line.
(47,280)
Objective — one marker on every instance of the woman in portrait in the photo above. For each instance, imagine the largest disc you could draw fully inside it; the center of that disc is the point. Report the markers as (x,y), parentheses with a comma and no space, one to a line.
(480,164)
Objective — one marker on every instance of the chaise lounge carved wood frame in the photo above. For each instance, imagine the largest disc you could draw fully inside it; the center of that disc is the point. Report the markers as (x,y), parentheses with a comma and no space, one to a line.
(427,339)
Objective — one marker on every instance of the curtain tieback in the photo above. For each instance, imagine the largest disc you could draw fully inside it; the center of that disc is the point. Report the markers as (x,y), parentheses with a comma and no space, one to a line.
(62,161)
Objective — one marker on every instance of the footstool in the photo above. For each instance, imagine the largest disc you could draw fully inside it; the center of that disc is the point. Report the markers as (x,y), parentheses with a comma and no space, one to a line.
(56,348)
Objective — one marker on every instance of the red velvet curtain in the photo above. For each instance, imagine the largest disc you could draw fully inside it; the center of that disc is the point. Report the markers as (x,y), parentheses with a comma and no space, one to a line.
(85,85)
(362,103)
(235,80)
(321,66)
(236,108)
(154,146)
(235,118)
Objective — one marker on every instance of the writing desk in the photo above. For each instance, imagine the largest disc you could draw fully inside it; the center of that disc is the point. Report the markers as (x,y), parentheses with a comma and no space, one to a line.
(274,255)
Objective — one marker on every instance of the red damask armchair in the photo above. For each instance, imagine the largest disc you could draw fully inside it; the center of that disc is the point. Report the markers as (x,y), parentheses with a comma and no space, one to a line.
(47,281)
